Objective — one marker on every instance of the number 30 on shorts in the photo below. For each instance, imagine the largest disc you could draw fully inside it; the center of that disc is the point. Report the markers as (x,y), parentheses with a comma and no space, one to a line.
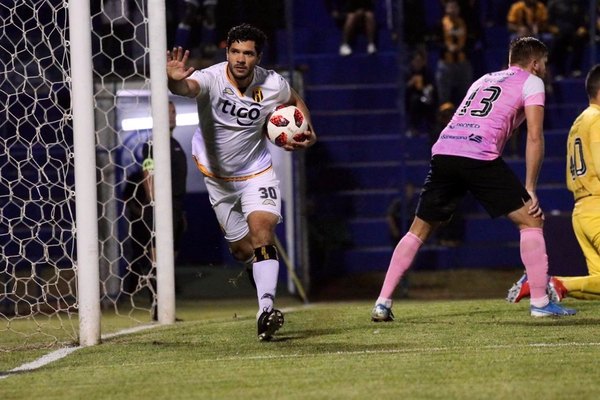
(268,192)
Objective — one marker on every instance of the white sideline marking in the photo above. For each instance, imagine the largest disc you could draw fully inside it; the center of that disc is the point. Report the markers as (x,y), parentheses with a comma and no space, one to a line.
(127,331)
(65,351)
(44,360)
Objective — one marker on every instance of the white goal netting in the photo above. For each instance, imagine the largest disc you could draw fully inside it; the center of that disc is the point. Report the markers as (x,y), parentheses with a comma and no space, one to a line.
(38,299)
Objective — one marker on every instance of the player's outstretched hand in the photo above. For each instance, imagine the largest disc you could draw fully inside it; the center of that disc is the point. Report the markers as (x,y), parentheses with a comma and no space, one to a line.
(177,68)
(309,139)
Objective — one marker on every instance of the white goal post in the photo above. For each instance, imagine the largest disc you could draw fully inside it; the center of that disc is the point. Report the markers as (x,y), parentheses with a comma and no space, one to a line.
(66,231)
(85,190)
(84,146)
(165,275)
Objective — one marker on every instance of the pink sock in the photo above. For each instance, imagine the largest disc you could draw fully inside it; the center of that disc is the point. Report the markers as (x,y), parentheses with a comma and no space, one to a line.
(533,255)
(403,256)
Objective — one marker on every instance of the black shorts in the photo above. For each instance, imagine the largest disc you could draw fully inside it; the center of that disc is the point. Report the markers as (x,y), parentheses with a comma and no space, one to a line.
(492,183)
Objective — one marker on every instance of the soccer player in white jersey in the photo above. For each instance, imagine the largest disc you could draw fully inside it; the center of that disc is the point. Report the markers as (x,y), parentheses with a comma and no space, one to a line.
(234,99)
(467,157)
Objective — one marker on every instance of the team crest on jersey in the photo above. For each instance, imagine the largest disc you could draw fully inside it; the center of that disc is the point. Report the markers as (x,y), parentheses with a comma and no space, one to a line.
(257,95)
(228,91)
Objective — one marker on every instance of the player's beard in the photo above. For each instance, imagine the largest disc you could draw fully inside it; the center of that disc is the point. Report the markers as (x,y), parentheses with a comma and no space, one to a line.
(240,76)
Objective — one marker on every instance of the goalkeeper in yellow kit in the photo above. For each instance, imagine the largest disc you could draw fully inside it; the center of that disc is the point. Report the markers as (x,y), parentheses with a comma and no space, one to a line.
(583,180)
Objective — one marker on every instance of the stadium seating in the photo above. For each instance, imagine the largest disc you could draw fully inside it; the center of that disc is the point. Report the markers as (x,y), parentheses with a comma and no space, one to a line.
(354,103)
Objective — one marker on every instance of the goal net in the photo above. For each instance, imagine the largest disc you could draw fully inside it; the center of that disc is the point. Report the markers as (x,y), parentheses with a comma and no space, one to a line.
(38,262)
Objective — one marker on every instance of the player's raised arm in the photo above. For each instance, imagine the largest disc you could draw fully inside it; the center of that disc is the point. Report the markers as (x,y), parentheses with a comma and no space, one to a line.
(178,72)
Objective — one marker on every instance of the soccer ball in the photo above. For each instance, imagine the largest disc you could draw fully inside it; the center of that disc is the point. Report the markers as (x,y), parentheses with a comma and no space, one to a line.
(286,125)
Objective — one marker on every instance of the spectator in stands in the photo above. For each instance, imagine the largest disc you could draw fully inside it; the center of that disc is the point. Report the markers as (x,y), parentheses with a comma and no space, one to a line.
(467,158)
(335,8)
(197,27)
(454,72)
(139,217)
(359,12)
(471,12)
(568,22)
(494,12)
(527,18)
(139,196)
(413,22)
(583,180)
(420,95)
(178,179)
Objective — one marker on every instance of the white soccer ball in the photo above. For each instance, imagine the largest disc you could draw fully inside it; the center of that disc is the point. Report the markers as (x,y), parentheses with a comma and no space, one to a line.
(286,125)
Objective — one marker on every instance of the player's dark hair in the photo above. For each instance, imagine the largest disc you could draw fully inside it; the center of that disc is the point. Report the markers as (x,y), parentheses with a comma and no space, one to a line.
(592,81)
(246,32)
(525,49)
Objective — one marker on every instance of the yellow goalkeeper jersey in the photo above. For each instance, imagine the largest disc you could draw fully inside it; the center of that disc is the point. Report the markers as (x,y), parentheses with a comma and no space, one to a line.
(583,154)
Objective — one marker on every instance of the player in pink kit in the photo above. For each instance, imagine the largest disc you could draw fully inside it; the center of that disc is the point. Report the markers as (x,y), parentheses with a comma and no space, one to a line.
(467,158)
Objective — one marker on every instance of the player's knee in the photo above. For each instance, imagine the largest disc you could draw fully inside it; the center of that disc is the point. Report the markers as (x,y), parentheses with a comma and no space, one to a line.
(268,252)
(242,253)
(240,256)
(532,223)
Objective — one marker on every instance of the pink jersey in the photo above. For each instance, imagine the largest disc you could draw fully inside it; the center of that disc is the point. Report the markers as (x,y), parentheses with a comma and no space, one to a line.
(493,107)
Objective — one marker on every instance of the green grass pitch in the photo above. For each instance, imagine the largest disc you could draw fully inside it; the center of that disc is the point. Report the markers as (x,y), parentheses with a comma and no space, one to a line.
(436,349)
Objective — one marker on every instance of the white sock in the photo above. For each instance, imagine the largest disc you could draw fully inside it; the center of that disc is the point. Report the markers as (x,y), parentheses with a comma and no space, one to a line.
(539,302)
(384,301)
(265,275)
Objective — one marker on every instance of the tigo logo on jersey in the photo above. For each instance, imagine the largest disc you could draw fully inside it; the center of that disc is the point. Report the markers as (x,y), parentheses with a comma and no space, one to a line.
(245,116)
